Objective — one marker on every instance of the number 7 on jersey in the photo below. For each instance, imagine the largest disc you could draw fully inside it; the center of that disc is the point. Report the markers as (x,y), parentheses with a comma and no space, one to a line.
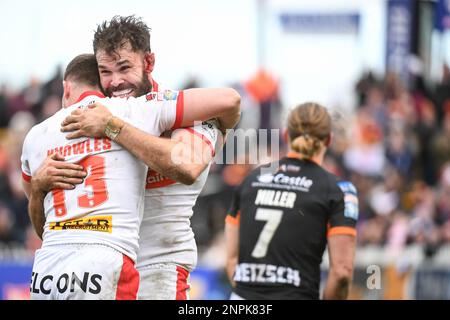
(273,218)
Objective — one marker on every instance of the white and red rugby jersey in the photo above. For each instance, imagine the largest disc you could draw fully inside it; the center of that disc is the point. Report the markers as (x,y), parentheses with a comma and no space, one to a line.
(107,207)
(166,235)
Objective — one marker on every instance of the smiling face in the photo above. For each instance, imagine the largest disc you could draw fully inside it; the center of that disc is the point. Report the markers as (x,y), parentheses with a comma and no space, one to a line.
(126,72)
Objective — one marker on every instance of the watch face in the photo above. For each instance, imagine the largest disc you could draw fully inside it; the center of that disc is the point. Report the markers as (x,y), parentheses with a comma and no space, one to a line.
(110,133)
(113,128)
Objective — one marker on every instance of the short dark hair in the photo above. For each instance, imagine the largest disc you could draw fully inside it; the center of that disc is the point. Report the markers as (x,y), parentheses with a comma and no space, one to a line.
(83,69)
(114,34)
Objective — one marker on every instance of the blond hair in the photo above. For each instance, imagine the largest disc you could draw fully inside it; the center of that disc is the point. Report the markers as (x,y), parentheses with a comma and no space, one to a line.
(309,126)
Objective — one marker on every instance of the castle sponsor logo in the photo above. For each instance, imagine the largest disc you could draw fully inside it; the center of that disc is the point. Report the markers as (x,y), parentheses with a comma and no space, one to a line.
(283,181)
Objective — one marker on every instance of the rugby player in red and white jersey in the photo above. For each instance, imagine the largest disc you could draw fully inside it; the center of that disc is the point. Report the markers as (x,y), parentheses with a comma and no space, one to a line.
(97,222)
(167,247)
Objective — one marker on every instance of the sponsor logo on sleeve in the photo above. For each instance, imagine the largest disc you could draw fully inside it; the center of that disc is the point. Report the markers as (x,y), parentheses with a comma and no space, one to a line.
(166,95)
(350,199)
(151,96)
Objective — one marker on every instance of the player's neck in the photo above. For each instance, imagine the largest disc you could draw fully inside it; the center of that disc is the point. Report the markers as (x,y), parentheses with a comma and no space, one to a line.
(317,158)
(77,94)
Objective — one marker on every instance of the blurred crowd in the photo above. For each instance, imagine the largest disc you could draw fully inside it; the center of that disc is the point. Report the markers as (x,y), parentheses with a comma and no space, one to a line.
(19,111)
(398,156)
(395,148)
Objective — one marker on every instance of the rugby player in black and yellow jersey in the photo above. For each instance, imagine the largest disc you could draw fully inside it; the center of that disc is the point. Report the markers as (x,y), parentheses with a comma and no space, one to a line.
(280,223)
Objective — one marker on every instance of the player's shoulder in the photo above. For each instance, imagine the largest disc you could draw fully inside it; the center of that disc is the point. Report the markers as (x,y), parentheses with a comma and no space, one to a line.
(263,173)
(36,134)
(321,176)
(340,185)
(33,133)
(39,129)
(122,107)
(335,180)
(112,101)
(347,187)
(162,95)
(50,125)
(150,97)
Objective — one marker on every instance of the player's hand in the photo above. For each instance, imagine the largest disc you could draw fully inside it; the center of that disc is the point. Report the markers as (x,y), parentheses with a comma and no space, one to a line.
(90,122)
(54,173)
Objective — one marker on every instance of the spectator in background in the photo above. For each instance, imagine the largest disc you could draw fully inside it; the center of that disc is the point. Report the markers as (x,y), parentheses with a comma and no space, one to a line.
(366,153)
(363,87)
(443,200)
(4,117)
(398,150)
(443,93)
(440,143)
(6,224)
(376,107)
(263,88)
(425,129)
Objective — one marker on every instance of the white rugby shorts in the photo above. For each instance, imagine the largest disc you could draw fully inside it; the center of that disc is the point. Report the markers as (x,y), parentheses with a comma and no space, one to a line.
(83,272)
(163,281)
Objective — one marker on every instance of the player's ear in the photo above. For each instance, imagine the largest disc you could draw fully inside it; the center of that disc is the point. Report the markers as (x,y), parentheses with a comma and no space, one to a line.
(149,62)
(67,88)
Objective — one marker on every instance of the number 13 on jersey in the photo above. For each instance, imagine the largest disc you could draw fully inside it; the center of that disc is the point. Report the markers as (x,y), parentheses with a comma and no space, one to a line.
(98,193)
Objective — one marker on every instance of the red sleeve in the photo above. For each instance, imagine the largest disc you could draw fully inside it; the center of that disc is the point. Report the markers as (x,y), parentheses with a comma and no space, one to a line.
(180,110)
